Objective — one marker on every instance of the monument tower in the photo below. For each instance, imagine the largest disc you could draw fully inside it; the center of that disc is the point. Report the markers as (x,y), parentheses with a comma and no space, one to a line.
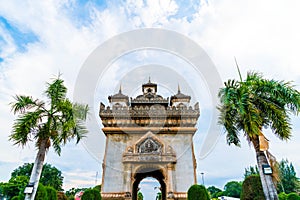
(148,136)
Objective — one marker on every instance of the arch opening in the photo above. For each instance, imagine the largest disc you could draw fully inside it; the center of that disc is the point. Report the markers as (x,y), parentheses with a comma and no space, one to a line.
(150,188)
(145,173)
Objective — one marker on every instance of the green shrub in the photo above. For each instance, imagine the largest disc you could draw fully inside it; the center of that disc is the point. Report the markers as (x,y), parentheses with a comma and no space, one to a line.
(233,189)
(91,194)
(282,196)
(197,192)
(252,189)
(293,196)
(51,193)
(16,198)
(71,197)
(140,196)
(97,187)
(41,193)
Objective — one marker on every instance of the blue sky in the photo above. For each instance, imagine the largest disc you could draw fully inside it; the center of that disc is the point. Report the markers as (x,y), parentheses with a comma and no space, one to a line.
(42,38)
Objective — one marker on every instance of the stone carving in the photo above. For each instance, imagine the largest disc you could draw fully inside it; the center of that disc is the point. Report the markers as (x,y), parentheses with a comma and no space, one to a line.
(149,146)
(170,195)
(127,195)
(130,150)
(170,150)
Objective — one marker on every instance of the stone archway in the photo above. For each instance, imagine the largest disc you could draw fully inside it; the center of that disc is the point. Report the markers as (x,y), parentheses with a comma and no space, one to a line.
(148,136)
(149,172)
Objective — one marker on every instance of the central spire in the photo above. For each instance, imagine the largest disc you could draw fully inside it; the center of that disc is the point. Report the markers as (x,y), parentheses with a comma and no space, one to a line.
(178,88)
(120,89)
(149,87)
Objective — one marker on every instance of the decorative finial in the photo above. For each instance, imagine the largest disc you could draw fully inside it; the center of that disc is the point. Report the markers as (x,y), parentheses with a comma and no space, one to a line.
(120,90)
(178,88)
(149,80)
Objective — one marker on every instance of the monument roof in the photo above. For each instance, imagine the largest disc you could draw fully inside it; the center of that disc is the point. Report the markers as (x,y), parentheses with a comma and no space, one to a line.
(118,96)
(180,96)
(149,97)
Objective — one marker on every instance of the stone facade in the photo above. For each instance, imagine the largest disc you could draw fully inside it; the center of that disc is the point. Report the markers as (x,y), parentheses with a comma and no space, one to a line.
(148,136)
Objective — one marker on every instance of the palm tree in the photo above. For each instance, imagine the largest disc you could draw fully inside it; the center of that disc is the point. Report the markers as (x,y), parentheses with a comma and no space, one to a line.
(48,123)
(251,105)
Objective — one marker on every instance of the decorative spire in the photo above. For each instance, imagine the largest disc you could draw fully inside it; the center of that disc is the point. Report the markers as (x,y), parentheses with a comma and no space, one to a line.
(149,79)
(179,89)
(120,89)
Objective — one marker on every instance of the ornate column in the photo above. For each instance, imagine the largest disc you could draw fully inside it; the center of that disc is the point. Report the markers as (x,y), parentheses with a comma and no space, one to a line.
(127,184)
(170,169)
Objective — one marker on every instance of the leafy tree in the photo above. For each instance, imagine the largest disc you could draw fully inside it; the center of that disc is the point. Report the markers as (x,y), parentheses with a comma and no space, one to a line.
(253,104)
(214,191)
(197,192)
(251,171)
(287,175)
(24,170)
(233,189)
(48,125)
(15,186)
(91,194)
(51,193)
(41,193)
(140,196)
(252,189)
(50,176)
(288,180)
(16,198)
(292,196)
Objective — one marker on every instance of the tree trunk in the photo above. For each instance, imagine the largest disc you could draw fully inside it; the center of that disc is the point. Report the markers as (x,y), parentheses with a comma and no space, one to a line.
(266,180)
(37,169)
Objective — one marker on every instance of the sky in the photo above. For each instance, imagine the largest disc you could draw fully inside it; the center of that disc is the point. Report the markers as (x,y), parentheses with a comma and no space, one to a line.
(40,39)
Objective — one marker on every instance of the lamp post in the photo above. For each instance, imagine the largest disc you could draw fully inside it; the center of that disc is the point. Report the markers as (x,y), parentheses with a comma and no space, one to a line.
(202,174)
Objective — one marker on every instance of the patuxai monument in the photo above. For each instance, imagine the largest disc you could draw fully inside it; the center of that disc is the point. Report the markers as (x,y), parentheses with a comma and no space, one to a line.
(148,136)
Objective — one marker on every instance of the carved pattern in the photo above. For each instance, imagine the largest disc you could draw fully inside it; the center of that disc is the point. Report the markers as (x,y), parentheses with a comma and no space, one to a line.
(149,146)
(149,149)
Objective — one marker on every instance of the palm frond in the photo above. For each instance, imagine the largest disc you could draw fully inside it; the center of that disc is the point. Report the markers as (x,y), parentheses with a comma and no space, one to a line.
(23,103)
(69,120)
(25,126)
(80,111)
(255,103)
(228,120)
(57,124)
(56,91)
(56,145)
(79,131)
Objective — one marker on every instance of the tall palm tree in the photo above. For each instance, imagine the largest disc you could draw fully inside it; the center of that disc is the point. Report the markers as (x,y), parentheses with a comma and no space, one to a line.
(48,123)
(253,104)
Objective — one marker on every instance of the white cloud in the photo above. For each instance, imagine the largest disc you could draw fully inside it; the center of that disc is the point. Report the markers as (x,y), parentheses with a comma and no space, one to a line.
(150,13)
(7,44)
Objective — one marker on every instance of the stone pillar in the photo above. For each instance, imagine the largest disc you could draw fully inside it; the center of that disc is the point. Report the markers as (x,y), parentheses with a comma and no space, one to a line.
(170,192)
(127,184)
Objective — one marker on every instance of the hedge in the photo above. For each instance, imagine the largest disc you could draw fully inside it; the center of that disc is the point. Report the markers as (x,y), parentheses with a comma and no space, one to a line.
(198,192)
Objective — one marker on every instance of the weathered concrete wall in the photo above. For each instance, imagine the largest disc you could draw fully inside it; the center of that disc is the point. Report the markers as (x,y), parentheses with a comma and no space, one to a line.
(116,179)
(113,169)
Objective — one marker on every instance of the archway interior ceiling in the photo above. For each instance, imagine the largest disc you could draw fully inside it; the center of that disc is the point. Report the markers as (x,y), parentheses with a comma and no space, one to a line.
(149,172)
